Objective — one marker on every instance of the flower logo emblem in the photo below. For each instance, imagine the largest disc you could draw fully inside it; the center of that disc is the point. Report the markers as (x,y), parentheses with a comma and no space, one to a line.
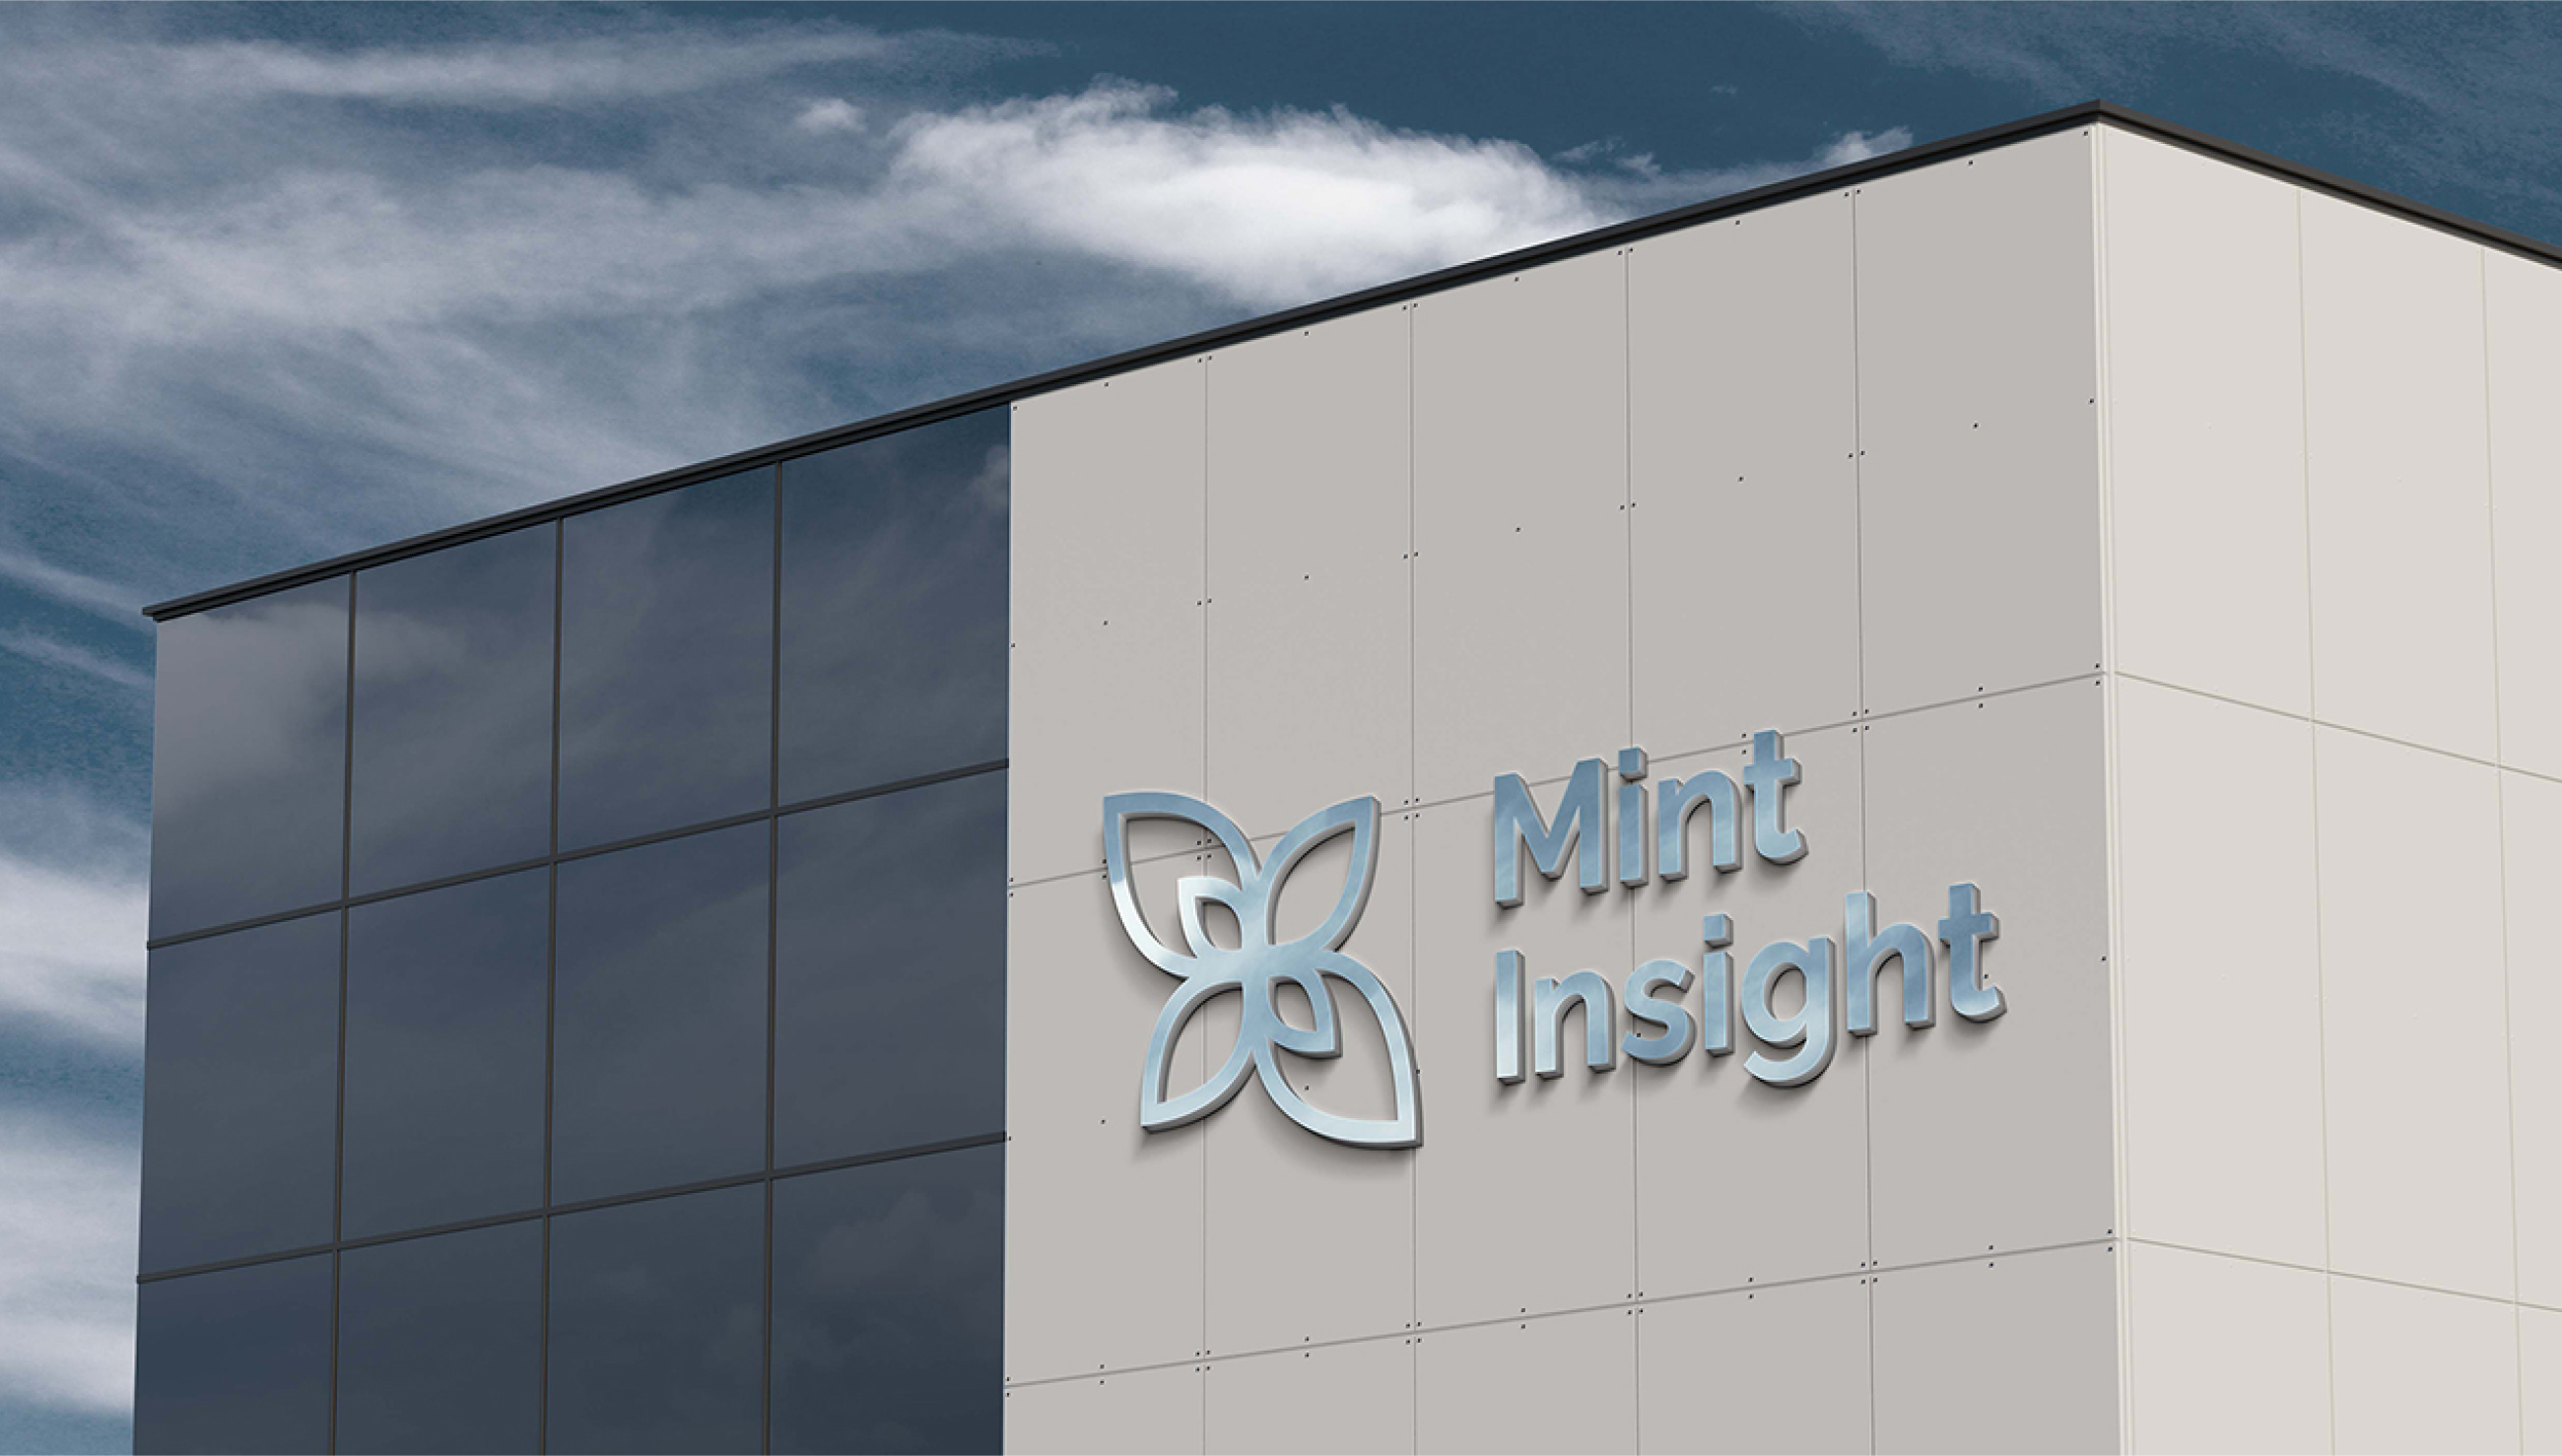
(1258,965)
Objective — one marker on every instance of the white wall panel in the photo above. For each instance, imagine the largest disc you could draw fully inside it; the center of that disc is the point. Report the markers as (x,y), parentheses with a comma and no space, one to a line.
(1521,603)
(1993,1135)
(2531,823)
(1106,689)
(1564,1383)
(1772,1369)
(1741,425)
(2414,1369)
(1156,1410)
(2016,1354)
(2524,306)
(2206,430)
(2399,475)
(1524,1195)
(2539,1363)
(2411,932)
(1979,497)
(2227,1355)
(1310,662)
(1312,1240)
(1711,1138)
(2222,986)
(1337,1397)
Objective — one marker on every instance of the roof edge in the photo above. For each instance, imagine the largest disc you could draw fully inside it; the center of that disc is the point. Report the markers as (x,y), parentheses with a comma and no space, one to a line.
(2042,124)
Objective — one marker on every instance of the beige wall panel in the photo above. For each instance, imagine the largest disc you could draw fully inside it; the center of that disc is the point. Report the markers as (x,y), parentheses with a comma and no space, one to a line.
(2399,472)
(2411,930)
(1525,1196)
(2016,1354)
(1994,1134)
(2222,986)
(1520,605)
(2227,1355)
(1337,1397)
(1274,1279)
(1563,1383)
(1979,497)
(1310,662)
(2531,822)
(1107,607)
(1156,1410)
(2206,429)
(2524,308)
(1742,421)
(2539,1363)
(1103,1220)
(1709,1138)
(2415,1370)
(1772,1369)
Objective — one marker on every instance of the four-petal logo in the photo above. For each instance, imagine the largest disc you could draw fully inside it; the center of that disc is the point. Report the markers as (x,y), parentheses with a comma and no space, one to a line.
(1258,965)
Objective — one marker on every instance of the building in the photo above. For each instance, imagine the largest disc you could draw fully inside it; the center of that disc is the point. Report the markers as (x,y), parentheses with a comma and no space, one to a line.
(2009,688)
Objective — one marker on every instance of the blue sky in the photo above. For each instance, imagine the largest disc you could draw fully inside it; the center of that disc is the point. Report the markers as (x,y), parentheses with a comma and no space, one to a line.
(280,283)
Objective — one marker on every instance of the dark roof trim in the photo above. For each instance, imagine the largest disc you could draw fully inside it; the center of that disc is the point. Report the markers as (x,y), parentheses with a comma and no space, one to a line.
(1601,237)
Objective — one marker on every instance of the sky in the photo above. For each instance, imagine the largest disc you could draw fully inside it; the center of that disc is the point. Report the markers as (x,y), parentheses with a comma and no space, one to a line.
(276,284)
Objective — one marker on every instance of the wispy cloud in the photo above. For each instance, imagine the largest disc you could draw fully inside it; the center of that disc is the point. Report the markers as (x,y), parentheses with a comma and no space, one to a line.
(73,918)
(67,1217)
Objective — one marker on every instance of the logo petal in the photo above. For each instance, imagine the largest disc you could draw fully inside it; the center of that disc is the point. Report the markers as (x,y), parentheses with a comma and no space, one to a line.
(1356,816)
(1159,1112)
(1405,1128)
(1120,811)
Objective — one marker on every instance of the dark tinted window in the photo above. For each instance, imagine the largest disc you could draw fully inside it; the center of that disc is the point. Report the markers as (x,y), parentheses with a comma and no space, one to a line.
(240,1094)
(658,1019)
(439,1342)
(890,972)
(248,759)
(444,1054)
(889,1306)
(894,607)
(659,1324)
(234,1360)
(453,712)
(668,660)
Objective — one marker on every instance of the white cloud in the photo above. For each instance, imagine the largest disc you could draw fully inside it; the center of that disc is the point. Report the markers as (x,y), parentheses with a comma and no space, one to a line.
(73,918)
(69,657)
(835,113)
(67,1217)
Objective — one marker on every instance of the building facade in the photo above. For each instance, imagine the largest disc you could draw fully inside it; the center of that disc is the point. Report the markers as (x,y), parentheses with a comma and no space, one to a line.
(1902,812)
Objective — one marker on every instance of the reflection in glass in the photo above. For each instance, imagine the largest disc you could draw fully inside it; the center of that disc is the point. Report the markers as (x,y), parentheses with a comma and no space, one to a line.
(444,1054)
(659,1016)
(657,1325)
(240,1094)
(248,759)
(889,1306)
(440,1341)
(233,1361)
(453,712)
(667,660)
(890,972)
(894,608)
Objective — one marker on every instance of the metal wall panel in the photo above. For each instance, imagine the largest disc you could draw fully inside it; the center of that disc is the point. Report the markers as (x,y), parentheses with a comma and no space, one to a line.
(2227,1355)
(2394,417)
(2531,832)
(1521,480)
(2539,1359)
(1142,1411)
(1742,427)
(2206,441)
(2000,1353)
(1768,1369)
(1980,498)
(1712,1140)
(2419,1129)
(1984,1136)
(2523,302)
(2220,920)
(1106,689)
(2416,1370)
(1563,1383)
(1336,1397)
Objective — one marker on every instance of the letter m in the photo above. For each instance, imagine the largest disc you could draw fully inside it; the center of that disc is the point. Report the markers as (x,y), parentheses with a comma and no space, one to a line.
(1519,826)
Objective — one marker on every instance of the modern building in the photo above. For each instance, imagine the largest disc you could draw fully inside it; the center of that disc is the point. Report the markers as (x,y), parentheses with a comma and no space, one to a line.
(1910,811)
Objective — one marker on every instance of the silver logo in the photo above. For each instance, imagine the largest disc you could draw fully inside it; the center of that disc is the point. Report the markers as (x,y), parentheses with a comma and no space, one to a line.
(1257,967)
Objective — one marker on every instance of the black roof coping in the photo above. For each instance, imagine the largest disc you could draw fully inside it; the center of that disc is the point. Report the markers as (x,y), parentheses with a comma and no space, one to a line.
(1449,277)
